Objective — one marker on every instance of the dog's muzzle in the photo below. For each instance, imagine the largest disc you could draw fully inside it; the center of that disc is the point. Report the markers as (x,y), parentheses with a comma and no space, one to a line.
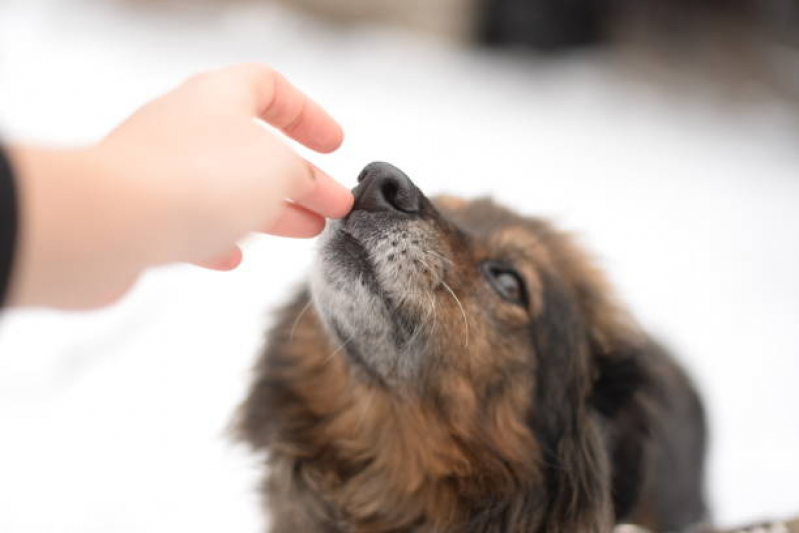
(379,273)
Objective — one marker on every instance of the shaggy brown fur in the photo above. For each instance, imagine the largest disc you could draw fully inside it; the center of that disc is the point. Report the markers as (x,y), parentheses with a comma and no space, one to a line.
(551,413)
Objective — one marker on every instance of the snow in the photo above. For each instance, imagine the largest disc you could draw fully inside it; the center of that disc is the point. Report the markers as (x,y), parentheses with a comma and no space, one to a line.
(116,420)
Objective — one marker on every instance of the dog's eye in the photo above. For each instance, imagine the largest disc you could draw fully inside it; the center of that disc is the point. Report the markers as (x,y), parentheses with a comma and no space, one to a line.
(506,281)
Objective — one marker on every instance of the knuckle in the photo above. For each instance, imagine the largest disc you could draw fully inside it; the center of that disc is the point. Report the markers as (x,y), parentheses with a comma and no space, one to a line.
(258,69)
(305,181)
(201,78)
(256,74)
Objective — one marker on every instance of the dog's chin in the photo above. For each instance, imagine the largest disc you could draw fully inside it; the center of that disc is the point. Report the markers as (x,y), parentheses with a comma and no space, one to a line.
(371,301)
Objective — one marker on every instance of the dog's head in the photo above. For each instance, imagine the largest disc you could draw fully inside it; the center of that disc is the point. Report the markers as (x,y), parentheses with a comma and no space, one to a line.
(497,322)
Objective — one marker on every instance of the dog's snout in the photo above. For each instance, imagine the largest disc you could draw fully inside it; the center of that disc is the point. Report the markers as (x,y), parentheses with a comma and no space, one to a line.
(384,187)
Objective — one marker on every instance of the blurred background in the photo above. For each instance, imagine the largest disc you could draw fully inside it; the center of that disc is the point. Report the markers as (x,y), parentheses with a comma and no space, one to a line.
(663,133)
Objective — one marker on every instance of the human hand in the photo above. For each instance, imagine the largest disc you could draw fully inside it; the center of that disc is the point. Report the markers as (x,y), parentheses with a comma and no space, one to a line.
(220,172)
(183,179)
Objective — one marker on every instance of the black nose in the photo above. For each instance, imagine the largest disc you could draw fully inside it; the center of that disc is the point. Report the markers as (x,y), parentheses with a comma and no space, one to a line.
(384,187)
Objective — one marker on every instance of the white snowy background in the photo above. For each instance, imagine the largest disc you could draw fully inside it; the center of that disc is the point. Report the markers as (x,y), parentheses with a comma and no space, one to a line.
(115,421)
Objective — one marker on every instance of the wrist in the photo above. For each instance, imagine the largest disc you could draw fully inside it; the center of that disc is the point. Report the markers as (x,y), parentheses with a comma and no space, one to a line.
(71,228)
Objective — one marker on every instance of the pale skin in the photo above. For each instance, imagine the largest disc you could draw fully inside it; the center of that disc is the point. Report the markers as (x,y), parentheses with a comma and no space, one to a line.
(182,180)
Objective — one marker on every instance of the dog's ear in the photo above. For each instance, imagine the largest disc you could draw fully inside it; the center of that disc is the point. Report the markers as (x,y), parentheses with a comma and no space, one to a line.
(577,465)
(624,386)
(622,374)
(619,376)
(653,420)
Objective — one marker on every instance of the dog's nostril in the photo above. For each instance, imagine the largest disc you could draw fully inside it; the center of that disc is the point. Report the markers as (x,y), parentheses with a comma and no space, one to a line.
(364,173)
(389,191)
(384,187)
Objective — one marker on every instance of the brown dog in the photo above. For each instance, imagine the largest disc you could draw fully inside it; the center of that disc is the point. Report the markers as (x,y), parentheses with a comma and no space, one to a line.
(458,368)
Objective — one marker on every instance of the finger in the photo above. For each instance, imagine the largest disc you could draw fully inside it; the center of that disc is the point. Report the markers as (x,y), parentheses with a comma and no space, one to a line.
(328,197)
(228,261)
(296,221)
(297,179)
(285,107)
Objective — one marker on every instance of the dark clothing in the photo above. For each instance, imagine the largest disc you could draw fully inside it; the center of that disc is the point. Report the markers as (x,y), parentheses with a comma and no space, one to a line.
(8,224)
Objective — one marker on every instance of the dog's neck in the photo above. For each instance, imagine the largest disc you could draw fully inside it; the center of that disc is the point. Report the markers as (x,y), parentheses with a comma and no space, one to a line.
(390,461)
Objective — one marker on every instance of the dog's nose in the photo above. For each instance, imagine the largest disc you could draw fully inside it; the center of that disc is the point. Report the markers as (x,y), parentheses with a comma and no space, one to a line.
(384,187)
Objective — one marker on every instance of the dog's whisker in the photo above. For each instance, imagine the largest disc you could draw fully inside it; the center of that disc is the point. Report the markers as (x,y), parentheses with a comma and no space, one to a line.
(424,263)
(367,407)
(463,313)
(336,351)
(440,256)
(299,317)
(433,312)
(417,331)
(430,269)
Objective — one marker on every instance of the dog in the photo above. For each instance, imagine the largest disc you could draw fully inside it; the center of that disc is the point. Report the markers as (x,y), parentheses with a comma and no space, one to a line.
(454,367)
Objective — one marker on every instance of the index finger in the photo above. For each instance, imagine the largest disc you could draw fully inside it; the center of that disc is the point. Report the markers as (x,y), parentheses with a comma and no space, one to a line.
(285,107)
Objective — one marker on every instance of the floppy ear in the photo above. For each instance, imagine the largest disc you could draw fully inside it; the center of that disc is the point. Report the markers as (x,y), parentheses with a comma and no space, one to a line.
(621,392)
(623,381)
(655,432)
(577,463)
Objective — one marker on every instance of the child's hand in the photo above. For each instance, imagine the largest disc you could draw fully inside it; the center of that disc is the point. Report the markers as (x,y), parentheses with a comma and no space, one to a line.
(183,179)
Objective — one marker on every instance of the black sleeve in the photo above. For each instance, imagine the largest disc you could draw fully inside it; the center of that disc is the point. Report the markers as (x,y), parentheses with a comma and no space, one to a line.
(8,224)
